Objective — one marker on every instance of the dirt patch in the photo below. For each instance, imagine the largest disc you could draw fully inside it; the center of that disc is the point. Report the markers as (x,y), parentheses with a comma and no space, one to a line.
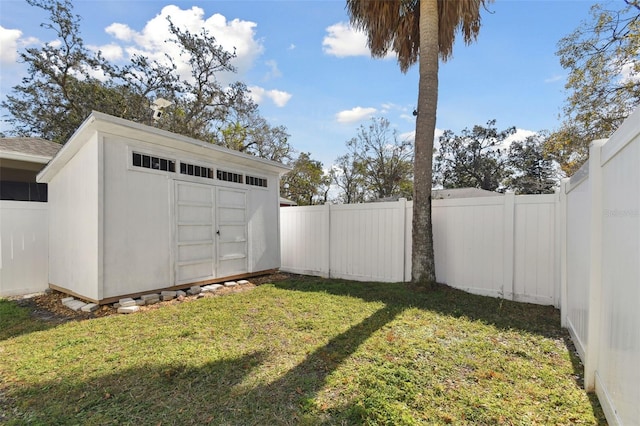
(48,306)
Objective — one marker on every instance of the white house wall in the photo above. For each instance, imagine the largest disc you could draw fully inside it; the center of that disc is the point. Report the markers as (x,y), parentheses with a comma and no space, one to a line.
(74,215)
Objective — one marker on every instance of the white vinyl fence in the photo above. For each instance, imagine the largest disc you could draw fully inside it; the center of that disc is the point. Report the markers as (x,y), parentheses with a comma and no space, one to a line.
(24,247)
(578,249)
(601,270)
(501,246)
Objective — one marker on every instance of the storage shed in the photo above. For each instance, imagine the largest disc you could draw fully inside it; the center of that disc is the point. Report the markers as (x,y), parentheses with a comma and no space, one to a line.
(135,209)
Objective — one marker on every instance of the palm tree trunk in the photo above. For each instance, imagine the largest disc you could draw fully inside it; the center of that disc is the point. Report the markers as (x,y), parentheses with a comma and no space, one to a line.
(423,264)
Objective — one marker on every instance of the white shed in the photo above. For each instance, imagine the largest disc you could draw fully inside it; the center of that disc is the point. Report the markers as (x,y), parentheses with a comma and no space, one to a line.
(134,209)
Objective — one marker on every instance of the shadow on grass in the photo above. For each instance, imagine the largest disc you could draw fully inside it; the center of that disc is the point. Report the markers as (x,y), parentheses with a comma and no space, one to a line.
(175,394)
(216,393)
(16,320)
(503,314)
(157,394)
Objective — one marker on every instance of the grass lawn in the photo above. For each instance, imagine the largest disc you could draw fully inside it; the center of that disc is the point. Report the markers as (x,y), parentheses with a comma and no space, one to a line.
(301,351)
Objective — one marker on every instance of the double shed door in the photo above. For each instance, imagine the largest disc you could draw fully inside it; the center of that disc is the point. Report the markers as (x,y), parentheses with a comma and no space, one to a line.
(210,232)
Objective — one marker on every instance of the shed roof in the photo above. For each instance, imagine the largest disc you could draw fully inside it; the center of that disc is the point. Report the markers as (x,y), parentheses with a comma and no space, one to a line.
(107,124)
(34,150)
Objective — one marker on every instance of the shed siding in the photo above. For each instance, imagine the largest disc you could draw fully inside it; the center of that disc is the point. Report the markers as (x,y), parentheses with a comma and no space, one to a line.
(138,224)
(74,217)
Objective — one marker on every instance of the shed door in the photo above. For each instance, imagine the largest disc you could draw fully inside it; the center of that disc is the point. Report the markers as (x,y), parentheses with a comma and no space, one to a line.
(195,258)
(231,213)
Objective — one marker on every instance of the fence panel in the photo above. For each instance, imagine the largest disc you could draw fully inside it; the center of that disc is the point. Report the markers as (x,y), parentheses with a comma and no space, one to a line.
(617,378)
(24,247)
(536,267)
(469,244)
(501,246)
(304,242)
(367,241)
(578,237)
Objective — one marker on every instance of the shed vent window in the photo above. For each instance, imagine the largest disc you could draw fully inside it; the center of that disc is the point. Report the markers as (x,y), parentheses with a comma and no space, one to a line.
(256,181)
(151,162)
(193,170)
(229,176)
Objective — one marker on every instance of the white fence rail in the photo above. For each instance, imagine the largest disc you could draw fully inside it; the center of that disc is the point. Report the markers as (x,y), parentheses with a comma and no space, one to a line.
(24,247)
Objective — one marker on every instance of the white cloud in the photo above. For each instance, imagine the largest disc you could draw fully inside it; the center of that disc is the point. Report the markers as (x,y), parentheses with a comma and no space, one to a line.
(629,73)
(111,52)
(234,36)
(355,114)
(343,40)
(120,32)
(273,72)
(554,78)
(519,136)
(278,97)
(410,136)
(11,41)
(291,46)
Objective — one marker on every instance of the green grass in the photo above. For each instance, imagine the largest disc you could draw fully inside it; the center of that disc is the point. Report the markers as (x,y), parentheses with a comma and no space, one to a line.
(302,351)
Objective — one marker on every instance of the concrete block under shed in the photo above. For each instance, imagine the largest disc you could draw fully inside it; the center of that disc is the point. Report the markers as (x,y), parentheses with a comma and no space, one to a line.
(230,284)
(127,301)
(75,305)
(128,309)
(90,307)
(196,289)
(146,297)
(212,287)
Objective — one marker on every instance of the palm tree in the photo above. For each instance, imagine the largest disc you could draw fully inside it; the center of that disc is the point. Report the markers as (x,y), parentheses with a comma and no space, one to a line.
(420,31)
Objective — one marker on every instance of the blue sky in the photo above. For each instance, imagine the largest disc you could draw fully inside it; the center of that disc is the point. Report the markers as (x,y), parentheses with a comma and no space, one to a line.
(309,71)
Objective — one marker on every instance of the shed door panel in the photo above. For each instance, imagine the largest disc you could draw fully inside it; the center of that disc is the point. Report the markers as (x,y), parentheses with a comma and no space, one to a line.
(231,212)
(195,235)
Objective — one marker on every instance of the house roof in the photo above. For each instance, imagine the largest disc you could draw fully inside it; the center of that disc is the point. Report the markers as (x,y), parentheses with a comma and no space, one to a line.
(110,125)
(34,150)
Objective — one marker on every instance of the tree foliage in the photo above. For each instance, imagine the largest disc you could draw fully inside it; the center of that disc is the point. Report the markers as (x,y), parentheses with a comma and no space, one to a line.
(349,177)
(531,171)
(66,81)
(306,184)
(475,158)
(602,59)
(483,158)
(378,165)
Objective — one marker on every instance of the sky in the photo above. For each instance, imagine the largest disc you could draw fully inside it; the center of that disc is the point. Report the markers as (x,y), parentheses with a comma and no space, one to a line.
(309,71)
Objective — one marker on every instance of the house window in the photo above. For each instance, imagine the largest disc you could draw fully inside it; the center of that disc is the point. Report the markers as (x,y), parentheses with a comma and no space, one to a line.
(256,181)
(193,170)
(229,176)
(151,162)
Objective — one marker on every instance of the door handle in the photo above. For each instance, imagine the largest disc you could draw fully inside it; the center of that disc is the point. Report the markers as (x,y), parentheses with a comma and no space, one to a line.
(218,232)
